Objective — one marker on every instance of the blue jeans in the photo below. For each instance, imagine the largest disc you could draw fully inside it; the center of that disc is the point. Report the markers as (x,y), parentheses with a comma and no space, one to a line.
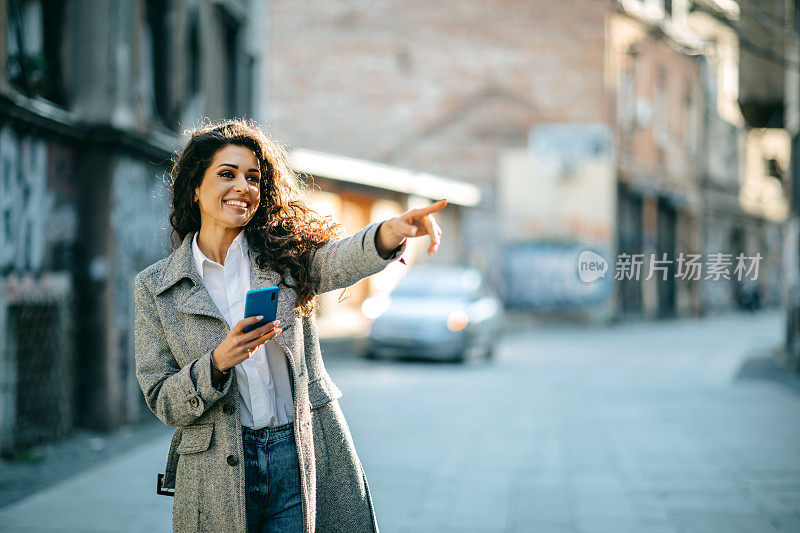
(272,480)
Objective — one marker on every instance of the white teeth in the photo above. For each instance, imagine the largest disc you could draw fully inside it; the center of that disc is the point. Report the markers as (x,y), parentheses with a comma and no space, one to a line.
(236,203)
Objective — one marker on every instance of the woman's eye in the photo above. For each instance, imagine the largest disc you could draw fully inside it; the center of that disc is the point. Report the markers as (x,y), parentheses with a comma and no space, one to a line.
(226,173)
(254,179)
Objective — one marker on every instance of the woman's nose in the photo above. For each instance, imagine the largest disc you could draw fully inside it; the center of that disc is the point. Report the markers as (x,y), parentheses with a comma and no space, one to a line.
(240,184)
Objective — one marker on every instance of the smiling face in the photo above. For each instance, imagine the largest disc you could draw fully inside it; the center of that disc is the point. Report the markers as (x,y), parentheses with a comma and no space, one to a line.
(228,196)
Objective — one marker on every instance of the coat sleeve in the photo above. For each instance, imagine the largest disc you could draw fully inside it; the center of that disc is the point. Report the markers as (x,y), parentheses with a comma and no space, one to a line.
(342,262)
(177,396)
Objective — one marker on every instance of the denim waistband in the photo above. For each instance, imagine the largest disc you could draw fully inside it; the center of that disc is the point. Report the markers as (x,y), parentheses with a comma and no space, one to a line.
(269,434)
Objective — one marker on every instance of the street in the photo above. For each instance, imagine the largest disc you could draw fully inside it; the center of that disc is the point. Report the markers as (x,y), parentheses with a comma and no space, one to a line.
(675,426)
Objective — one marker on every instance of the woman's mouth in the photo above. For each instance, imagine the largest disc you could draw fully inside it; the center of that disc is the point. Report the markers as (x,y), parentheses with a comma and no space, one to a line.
(237,205)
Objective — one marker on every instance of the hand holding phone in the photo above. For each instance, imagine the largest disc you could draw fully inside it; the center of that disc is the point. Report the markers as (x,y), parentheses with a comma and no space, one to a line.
(239,345)
(257,327)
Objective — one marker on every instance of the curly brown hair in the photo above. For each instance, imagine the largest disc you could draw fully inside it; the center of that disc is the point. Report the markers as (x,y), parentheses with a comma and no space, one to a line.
(284,232)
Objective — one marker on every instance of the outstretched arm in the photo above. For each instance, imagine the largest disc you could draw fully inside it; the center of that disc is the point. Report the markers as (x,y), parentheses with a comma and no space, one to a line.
(342,262)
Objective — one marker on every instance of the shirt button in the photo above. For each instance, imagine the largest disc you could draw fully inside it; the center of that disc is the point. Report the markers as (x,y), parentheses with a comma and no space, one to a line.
(228,409)
(232,460)
(194,402)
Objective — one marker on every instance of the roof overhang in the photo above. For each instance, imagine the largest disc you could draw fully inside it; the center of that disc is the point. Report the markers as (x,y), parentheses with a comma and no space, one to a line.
(387,177)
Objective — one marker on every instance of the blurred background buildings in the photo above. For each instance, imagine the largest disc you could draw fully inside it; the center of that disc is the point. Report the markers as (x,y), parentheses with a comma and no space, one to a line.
(613,126)
(552,126)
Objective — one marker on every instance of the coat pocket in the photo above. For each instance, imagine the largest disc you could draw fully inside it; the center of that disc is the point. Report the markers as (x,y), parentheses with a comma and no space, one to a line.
(195,438)
(322,391)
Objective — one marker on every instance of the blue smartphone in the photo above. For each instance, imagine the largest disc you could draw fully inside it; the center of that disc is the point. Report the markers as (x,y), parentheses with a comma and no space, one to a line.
(261,302)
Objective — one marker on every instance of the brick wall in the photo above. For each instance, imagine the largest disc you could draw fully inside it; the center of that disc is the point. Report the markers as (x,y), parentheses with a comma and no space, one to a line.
(434,86)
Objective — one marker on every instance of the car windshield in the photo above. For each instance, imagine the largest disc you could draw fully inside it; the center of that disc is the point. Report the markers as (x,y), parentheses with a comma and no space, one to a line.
(437,284)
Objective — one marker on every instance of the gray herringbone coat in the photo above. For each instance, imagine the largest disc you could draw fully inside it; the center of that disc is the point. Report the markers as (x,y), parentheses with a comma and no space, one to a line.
(177,326)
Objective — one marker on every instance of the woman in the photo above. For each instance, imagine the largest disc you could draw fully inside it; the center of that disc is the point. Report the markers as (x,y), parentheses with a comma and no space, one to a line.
(261,443)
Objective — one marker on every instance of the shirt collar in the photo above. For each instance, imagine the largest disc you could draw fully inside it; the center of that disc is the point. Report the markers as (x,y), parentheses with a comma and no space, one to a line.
(240,243)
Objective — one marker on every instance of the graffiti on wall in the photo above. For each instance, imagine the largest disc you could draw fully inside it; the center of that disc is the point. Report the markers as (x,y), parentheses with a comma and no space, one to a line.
(140,228)
(139,225)
(25,202)
(38,224)
(544,276)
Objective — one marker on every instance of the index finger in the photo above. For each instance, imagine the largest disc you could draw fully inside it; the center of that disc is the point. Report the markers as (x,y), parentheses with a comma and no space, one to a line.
(433,208)
(250,320)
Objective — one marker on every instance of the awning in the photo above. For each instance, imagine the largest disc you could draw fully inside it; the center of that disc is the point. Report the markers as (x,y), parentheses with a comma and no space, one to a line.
(352,170)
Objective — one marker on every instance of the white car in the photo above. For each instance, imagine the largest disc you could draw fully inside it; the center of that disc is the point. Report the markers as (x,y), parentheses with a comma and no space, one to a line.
(438,312)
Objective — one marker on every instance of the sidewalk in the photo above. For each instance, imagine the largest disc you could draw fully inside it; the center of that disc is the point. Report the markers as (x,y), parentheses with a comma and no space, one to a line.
(114,496)
(30,471)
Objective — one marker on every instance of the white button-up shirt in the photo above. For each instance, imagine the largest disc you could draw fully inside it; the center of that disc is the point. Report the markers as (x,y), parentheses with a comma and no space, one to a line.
(265,393)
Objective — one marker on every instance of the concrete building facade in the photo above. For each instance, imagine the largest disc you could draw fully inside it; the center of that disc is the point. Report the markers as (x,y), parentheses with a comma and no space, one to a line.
(744,168)
(92,97)
(658,103)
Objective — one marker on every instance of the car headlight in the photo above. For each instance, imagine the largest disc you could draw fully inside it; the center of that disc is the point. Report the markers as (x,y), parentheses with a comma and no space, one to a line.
(457,321)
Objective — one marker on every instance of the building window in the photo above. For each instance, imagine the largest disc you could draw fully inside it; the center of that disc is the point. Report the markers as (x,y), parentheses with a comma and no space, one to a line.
(229,32)
(774,168)
(157,55)
(626,96)
(690,126)
(34,42)
(238,67)
(661,115)
(193,78)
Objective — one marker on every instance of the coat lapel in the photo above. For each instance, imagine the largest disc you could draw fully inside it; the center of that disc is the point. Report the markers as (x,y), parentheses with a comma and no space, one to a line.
(195,300)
